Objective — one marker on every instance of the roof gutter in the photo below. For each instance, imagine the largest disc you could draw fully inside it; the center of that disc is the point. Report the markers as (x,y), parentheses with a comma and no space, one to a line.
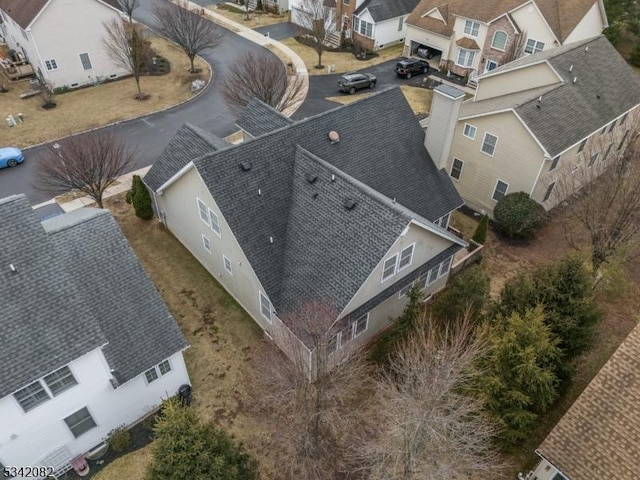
(175,177)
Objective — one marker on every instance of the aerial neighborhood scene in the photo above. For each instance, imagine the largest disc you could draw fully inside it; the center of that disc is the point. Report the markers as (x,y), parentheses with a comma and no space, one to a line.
(320,239)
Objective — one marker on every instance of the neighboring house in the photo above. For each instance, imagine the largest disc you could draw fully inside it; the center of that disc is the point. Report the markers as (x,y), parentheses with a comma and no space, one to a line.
(598,436)
(88,345)
(63,39)
(345,208)
(473,37)
(535,121)
(381,23)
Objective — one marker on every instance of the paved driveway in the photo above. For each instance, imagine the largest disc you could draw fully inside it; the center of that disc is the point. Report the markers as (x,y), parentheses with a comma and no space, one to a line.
(279,31)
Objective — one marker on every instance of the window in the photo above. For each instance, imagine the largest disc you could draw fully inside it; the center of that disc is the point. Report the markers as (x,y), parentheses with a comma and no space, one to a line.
(346,2)
(491,64)
(624,139)
(60,380)
(489,144)
(465,57)
(403,291)
(389,267)
(164,367)
(593,158)
(456,168)
(582,144)
(469,131)
(31,396)
(499,40)
(444,267)
(549,190)
(206,243)
(86,62)
(80,422)
(400,23)
(356,23)
(607,151)
(366,29)
(51,64)
(151,375)
(533,46)
(360,325)
(554,163)
(203,211)
(227,265)
(215,223)
(432,275)
(500,190)
(471,28)
(157,371)
(406,255)
(265,307)
(613,125)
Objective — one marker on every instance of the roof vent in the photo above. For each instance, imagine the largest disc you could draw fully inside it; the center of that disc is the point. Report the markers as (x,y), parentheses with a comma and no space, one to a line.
(246,166)
(315,195)
(13,269)
(539,98)
(586,49)
(270,239)
(333,177)
(571,68)
(575,79)
(349,204)
(259,192)
(334,137)
(598,96)
(311,177)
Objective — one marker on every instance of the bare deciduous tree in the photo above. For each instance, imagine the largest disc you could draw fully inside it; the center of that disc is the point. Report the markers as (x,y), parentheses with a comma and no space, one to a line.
(429,428)
(128,7)
(318,23)
(320,417)
(262,75)
(88,163)
(193,33)
(516,49)
(127,47)
(46,91)
(604,192)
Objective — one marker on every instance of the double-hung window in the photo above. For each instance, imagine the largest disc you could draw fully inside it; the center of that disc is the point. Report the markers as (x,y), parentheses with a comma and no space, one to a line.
(456,168)
(360,325)
(86,61)
(51,64)
(80,422)
(533,46)
(366,29)
(389,267)
(265,307)
(489,144)
(215,223)
(406,255)
(203,211)
(31,396)
(60,380)
(471,28)
(469,131)
(500,190)
(465,57)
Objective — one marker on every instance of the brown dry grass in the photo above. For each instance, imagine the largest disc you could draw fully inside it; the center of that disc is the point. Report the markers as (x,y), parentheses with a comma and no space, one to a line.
(419,98)
(343,61)
(132,466)
(93,107)
(255,19)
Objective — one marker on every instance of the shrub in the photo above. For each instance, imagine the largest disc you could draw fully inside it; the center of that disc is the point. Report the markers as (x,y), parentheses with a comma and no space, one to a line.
(119,439)
(480,235)
(141,199)
(634,59)
(519,216)
(467,290)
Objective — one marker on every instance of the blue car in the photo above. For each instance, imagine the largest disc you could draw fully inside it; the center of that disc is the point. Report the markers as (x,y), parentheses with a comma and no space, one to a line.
(10,157)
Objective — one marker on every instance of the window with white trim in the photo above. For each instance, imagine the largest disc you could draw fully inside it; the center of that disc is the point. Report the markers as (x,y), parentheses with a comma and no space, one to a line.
(469,131)
(360,325)
(471,28)
(491,64)
(356,23)
(164,367)
(549,191)
(405,290)
(489,144)
(265,307)
(444,267)
(157,371)
(80,422)
(203,211)
(389,267)
(60,380)
(554,162)
(499,41)
(51,64)
(500,191)
(86,61)
(215,223)
(406,255)
(465,57)
(31,396)
(456,168)
(227,264)
(432,275)
(533,46)
(366,28)
(206,243)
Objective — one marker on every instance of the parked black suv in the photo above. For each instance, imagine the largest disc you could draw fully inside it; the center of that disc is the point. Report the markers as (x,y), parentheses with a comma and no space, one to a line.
(350,82)
(407,67)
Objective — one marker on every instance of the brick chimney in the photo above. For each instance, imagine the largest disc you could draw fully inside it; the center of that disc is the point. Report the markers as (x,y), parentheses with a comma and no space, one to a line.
(445,109)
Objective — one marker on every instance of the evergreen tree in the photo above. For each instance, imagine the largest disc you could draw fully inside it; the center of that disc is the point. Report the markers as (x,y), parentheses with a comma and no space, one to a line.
(186,449)
(141,199)
(480,235)
(467,290)
(519,382)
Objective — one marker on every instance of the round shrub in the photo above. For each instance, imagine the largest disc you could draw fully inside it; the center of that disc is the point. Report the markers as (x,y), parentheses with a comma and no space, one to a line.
(519,216)
(119,439)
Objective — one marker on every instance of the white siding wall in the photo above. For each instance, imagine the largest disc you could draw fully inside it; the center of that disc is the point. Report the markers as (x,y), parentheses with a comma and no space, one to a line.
(459,33)
(591,25)
(429,39)
(530,19)
(67,28)
(16,40)
(25,438)
(387,33)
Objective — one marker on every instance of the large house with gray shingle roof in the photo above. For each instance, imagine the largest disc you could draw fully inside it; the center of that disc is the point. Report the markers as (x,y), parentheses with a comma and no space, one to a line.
(63,39)
(88,345)
(599,435)
(471,37)
(332,209)
(536,121)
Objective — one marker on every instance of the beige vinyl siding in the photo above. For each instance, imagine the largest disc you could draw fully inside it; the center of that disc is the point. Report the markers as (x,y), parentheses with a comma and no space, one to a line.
(530,19)
(517,159)
(591,25)
(532,76)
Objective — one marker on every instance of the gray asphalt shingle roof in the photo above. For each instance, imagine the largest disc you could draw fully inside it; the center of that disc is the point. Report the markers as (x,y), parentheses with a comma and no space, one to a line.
(258,118)
(77,286)
(605,88)
(385,153)
(188,143)
(382,10)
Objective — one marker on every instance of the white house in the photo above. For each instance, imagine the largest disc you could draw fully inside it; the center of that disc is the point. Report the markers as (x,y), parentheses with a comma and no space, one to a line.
(63,39)
(381,23)
(88,344)
(472,37)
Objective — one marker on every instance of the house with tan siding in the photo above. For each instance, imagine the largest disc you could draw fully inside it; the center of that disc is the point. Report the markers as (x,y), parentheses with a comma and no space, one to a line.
(473,37)
(535,121)
(598,436)
(326,210)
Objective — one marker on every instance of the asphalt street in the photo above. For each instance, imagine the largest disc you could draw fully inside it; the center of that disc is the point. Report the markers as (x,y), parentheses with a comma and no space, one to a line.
(149,135)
